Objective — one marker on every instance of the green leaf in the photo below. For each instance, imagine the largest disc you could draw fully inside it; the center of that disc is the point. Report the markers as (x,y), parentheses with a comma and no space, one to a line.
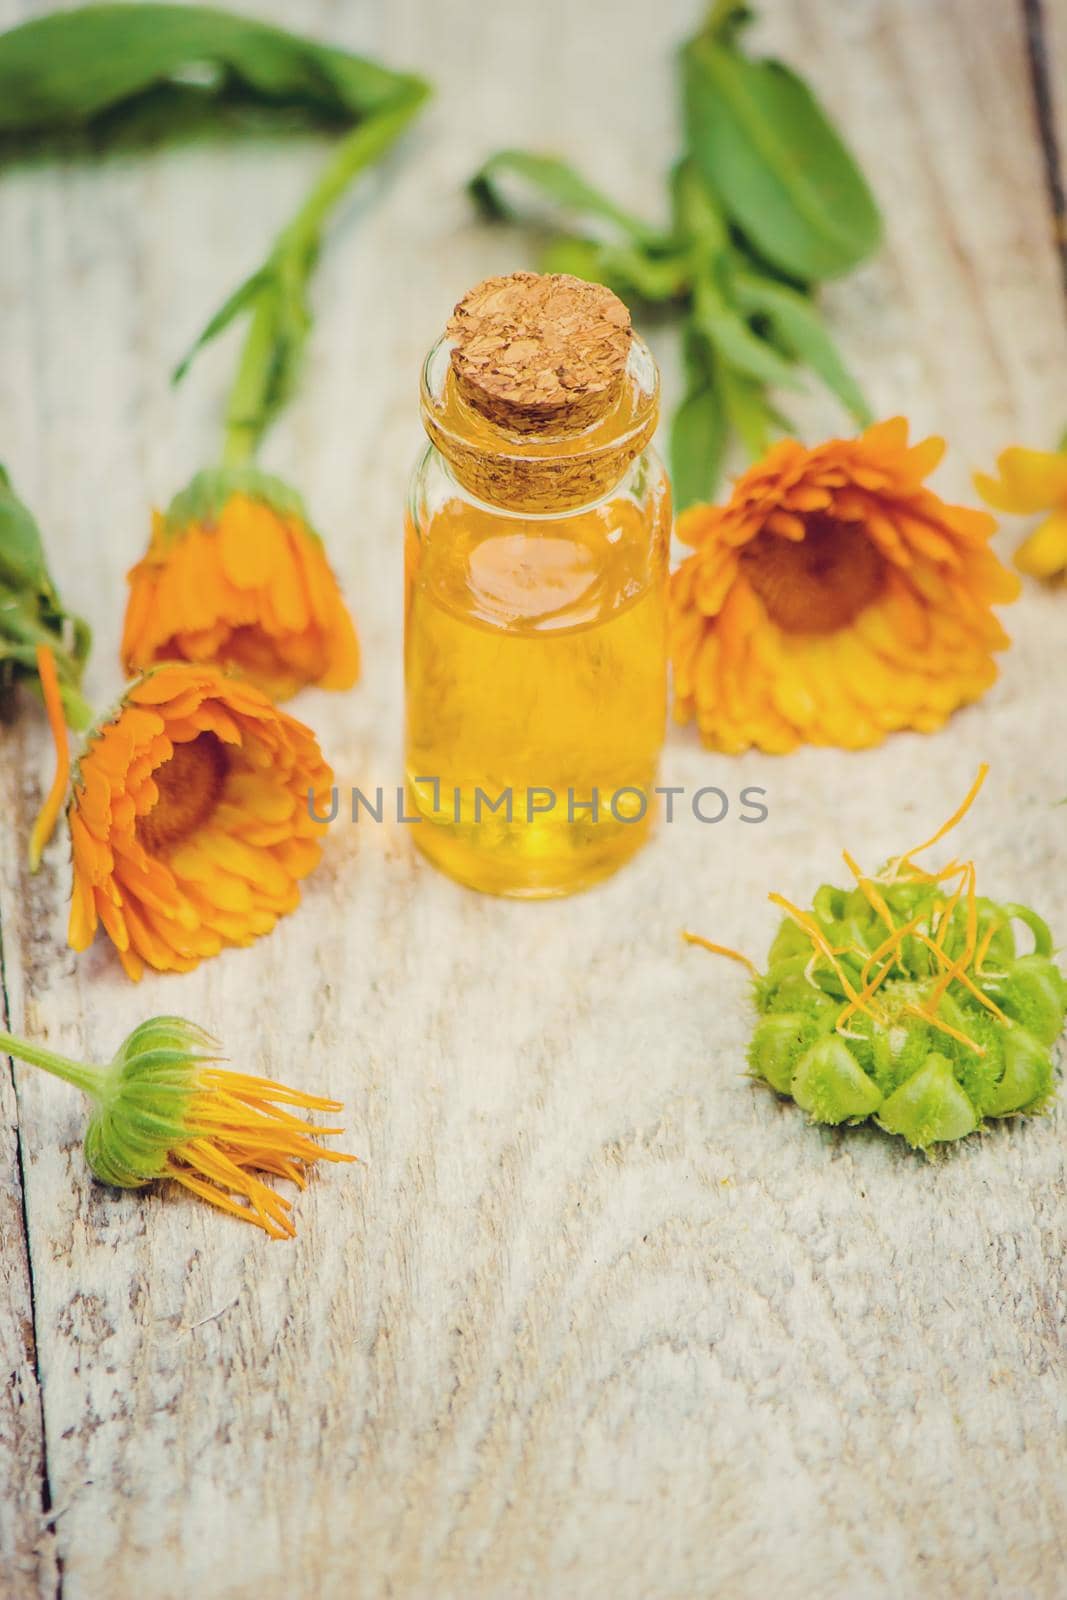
(632,273)
(557,182)
(798,325)
(276,294)
(64,71)
(31,611)
(650,277)
(22,563)
(749,413)
(725,20)
(240,300)
(698,430)
(582,258)
(766,200)
(764,145)
(735,341)
(698,219)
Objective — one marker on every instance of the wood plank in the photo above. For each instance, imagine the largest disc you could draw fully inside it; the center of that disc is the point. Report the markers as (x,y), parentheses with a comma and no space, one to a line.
(595,1316)
(28,1566)
(27,1544)
(1048,19)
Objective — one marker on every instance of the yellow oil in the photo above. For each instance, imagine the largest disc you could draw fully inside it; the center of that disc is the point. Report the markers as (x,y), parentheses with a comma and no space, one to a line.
(535,668)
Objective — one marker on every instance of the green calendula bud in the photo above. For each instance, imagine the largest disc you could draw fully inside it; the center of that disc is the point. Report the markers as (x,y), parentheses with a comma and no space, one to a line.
(905,998)
(165,1108)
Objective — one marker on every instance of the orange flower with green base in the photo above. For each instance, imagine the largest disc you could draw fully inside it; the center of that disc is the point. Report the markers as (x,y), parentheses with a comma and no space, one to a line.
(236,575)
(1030,481)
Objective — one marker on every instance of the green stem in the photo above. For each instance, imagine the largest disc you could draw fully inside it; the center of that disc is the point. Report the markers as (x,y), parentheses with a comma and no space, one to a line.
(79,712)
(31,632)
(293,256)
(721,17)
(245,408)
(75,1072)
(357,150)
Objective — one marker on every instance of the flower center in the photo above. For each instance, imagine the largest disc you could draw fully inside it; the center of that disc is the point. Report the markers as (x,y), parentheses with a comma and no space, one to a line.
(190,787)
(816,585)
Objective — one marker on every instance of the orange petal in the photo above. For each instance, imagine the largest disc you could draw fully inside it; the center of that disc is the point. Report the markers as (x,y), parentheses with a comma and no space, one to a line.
(1030,480)
(1044,553)
(251,541)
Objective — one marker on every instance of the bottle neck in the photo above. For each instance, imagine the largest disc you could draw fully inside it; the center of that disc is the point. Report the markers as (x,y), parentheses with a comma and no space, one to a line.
(535,471)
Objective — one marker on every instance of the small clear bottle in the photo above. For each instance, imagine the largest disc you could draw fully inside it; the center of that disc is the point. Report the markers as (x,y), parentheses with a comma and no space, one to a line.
(535,609)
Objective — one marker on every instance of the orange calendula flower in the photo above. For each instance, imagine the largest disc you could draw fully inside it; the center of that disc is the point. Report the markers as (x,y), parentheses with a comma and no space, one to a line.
(834,598)
(1031,481)
(235,575)
(164,1108)
(190,824)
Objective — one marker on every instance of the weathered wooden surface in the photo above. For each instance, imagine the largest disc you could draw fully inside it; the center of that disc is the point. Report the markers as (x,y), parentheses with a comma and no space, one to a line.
(596,1316)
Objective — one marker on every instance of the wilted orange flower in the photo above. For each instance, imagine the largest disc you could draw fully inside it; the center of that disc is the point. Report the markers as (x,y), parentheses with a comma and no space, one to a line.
(190,825)
(834,599)
(1032,481)
(164,1108)
(235,575)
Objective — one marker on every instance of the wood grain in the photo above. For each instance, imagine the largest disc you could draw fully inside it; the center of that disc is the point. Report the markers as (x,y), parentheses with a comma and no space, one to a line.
(595,1316)
(26,1539)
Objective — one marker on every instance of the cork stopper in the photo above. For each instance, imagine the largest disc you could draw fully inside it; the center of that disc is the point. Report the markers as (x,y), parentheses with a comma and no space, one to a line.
(540,352)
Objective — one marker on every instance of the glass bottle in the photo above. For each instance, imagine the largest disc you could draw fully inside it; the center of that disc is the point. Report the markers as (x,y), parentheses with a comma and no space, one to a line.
(536,562)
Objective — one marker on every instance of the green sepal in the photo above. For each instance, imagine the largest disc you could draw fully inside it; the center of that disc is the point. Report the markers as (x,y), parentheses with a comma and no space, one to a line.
(1026,1082)
(930,1108)
(777,1045)
(203,499)
(791,985)
(1034,993)
(143,1101)
(790,940)
(1042,934)
(979,1071)
(32,613)
(831,1086)
(889,1055)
